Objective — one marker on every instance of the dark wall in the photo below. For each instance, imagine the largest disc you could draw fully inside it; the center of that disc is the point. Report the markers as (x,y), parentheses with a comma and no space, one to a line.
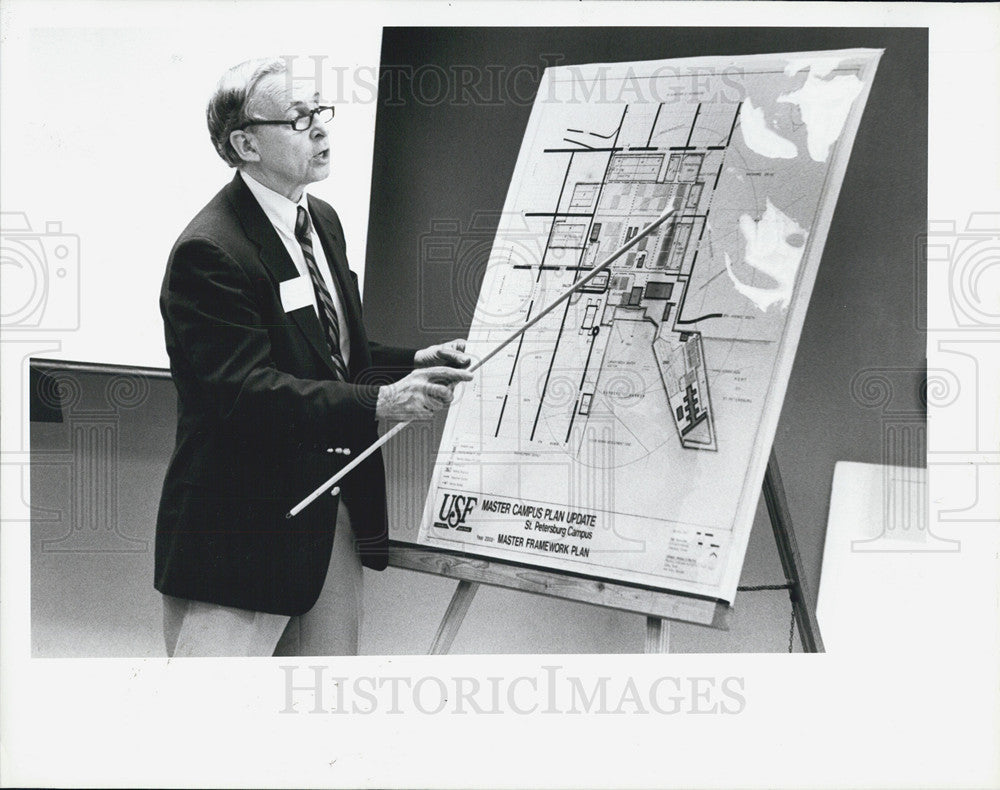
(100,442)
(453,105)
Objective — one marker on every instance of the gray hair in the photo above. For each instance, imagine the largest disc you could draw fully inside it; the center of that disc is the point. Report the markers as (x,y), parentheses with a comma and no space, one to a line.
(228,108)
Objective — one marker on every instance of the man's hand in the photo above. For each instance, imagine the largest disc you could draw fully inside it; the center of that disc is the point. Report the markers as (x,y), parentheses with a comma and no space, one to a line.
(451,354)
(420,394)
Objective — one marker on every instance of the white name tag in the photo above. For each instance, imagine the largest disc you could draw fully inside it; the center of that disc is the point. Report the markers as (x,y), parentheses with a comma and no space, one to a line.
(297,293)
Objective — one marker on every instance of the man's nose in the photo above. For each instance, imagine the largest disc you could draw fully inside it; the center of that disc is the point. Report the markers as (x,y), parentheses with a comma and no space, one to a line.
(318,130)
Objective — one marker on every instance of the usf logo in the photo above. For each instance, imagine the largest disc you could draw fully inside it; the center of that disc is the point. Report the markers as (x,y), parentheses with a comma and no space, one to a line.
(454,510)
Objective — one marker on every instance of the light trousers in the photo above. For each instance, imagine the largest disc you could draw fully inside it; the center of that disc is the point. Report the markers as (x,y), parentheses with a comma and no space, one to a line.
(331,628)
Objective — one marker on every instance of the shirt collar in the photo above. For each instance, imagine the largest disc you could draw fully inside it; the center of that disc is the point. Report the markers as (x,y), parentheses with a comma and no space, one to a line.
(281,211)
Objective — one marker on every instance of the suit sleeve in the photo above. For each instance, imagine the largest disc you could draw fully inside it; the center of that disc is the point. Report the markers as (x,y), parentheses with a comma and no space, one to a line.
(218,342)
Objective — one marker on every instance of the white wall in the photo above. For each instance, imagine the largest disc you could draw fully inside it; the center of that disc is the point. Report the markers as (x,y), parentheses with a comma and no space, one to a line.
(103,128)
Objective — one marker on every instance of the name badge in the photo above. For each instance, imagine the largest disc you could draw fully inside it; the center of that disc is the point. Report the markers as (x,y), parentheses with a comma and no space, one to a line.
(297,293)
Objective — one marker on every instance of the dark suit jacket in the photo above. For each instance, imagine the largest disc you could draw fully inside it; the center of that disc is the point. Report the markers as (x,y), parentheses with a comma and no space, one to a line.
(259,414)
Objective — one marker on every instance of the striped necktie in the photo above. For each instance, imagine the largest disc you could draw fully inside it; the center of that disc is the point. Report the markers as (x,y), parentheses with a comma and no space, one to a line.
(327,312)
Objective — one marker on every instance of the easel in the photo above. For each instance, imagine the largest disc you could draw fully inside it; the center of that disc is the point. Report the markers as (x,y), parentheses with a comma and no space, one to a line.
(658,627)
(660,606)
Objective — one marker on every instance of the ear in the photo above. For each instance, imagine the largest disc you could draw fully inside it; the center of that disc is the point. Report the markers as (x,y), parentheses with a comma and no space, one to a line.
(245,145)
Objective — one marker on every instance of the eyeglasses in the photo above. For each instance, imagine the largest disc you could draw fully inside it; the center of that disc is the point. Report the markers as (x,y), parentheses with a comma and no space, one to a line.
(302,122)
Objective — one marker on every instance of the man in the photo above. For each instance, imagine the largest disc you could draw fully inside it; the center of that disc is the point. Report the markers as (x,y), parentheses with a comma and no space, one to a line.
(277,386)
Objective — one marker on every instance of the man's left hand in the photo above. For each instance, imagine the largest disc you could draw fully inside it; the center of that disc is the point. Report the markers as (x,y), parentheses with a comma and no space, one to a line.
(451,354)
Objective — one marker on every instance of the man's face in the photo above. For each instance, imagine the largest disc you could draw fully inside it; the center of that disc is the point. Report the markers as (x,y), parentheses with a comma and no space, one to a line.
(288,159)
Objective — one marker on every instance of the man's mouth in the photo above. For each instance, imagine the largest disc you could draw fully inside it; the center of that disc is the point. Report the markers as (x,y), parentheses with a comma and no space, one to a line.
(322,156)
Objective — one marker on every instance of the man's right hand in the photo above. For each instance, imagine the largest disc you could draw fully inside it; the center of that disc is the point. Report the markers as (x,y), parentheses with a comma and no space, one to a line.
(420,394)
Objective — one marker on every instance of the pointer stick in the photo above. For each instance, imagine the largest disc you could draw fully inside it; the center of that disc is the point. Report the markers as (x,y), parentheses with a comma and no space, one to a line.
(507,341)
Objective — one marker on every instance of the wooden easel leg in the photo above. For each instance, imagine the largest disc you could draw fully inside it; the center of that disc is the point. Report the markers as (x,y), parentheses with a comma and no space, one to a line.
(791,562)
(461,599)
(657,635)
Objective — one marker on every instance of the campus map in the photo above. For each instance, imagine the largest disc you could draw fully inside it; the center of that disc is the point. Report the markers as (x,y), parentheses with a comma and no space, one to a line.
(625,435)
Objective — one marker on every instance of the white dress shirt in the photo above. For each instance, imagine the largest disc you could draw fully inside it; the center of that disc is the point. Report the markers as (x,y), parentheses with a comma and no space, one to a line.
(283,213)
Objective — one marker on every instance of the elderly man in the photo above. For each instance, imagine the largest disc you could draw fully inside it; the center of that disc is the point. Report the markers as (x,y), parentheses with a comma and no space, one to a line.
(277,385)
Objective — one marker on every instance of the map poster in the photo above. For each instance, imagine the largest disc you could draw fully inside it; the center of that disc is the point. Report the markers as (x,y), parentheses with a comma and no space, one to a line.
(625,436)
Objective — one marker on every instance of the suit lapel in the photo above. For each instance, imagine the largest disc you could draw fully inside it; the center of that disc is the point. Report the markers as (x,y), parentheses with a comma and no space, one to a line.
(279,265)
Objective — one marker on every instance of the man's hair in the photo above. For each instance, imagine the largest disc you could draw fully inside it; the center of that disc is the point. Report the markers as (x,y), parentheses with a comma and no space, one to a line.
(228,108)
